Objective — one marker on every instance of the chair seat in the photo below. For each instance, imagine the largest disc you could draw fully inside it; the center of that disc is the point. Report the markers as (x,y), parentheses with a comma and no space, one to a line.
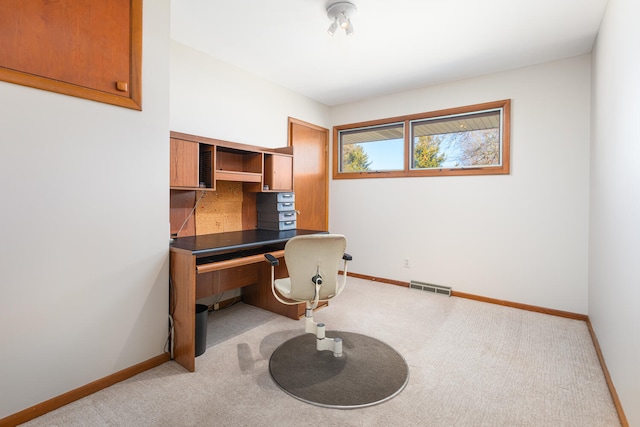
(284,287)
(313,265)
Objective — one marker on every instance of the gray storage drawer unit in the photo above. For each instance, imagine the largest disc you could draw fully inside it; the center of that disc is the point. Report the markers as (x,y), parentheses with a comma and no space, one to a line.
(276,211)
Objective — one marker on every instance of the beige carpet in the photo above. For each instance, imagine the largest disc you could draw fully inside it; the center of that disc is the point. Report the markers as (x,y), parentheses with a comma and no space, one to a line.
(471,364)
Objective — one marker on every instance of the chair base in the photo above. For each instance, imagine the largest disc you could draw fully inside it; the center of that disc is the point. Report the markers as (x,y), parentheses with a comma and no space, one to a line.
(368,373)
(322,342)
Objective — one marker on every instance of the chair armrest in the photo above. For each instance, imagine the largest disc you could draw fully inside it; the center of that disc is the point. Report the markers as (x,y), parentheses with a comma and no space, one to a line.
(273,261)
(347,257)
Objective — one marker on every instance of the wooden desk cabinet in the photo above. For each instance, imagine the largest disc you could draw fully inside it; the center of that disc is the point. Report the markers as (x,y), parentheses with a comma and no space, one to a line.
(206,265)
(209,264)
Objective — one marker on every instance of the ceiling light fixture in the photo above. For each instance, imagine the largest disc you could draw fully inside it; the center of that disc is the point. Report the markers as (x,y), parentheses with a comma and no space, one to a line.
(340,13)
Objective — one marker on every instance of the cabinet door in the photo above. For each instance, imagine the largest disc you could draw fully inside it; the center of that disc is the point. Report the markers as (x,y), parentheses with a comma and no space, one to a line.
(89,49)
(184,159)
(278,172)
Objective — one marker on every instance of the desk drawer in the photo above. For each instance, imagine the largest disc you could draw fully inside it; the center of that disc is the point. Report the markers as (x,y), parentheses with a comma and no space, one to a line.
(276,197)
(219,281)
(277,225)
(240,276)
(276,207)
(277,216)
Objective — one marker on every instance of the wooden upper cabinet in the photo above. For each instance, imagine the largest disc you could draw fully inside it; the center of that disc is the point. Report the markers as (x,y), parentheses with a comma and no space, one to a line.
(184,164)
(198,162)
(85,48)
(278,172)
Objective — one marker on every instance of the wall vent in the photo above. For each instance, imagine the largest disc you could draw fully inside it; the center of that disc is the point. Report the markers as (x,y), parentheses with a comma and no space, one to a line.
(436,289)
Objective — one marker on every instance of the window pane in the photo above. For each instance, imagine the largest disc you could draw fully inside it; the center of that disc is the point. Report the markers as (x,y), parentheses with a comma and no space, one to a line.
(375,148)
(459,141)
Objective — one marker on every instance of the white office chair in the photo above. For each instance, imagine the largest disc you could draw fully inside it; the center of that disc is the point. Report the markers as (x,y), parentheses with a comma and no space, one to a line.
(313,262)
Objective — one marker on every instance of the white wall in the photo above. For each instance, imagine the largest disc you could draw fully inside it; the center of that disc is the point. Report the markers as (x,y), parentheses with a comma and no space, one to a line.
(84,254)
(614,291)
(217,100)
(521,237)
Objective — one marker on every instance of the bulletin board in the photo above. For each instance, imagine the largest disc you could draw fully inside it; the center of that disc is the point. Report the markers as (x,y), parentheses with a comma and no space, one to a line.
(221,210)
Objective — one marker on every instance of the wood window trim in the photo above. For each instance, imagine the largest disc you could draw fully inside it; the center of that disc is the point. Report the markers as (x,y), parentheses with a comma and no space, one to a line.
(504,169)
(131,91)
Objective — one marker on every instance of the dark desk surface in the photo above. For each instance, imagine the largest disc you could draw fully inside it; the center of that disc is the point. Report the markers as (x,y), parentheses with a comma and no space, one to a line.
(212,244)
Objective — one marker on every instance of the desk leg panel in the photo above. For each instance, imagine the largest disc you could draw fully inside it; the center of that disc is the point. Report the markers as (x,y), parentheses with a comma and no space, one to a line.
(183,307)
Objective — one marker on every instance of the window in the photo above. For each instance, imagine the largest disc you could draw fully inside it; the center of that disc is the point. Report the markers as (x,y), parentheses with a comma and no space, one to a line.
(472,140)
(372,148)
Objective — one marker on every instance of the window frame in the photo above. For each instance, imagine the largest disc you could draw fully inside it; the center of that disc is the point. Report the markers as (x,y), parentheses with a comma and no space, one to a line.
(503,169)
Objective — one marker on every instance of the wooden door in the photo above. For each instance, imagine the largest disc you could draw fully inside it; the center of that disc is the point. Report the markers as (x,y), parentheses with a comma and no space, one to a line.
(310,174)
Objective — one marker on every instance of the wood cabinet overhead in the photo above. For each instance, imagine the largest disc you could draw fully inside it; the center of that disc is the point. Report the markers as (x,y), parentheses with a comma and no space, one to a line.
(199,166)
(197,162)
(83,48)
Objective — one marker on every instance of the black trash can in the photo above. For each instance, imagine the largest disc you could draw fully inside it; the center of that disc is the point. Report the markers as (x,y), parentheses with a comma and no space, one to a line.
(201,328)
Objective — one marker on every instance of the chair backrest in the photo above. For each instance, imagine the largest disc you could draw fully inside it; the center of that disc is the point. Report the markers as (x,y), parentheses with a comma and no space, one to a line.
(314,254)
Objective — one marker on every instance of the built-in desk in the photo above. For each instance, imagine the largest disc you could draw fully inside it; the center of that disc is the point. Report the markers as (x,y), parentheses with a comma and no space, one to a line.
(210,264)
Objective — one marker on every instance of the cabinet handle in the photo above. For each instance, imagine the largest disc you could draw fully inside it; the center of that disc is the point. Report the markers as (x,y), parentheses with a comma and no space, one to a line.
(122,86)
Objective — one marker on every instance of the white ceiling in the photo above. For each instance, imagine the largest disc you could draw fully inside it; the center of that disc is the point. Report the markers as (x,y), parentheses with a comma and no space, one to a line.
(398,44)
